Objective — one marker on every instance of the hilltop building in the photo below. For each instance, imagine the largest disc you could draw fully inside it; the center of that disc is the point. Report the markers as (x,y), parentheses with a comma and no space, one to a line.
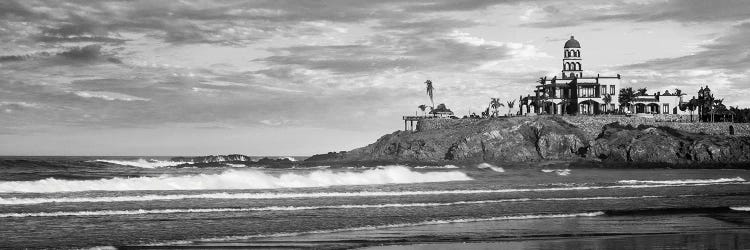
(658,103)
(573,92)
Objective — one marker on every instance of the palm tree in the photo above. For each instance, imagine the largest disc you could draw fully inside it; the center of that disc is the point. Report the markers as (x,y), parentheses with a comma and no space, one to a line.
(495,104)
(510,106)
(429,91)
(642,92)
(423,108)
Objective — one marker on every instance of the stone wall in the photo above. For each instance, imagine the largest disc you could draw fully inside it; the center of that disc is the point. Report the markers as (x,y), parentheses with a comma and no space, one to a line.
(592,125)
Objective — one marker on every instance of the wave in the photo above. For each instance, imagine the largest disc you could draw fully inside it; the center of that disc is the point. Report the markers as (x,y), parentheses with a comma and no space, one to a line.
(143,163)
(237,179)
(235,165)
(740,208)
(279,195)
(687,181)
(491,167)
(287,158)
(437,167)
(560,172)
(377,227)
(295,208)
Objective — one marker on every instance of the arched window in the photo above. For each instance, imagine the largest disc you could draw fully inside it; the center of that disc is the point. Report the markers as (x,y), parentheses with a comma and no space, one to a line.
(567,66)
(577,53)
(578,66)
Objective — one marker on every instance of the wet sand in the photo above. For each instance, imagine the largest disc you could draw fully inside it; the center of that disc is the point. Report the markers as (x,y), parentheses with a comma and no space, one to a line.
(724,230)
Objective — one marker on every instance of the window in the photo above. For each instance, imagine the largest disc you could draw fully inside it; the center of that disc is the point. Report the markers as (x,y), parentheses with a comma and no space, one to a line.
(612,89)
(603,90)
(666,108)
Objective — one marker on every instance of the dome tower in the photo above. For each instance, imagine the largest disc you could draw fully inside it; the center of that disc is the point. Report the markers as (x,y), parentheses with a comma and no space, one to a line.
(572,59)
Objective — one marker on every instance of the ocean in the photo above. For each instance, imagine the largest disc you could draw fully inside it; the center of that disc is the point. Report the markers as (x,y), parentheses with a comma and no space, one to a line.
(145,202)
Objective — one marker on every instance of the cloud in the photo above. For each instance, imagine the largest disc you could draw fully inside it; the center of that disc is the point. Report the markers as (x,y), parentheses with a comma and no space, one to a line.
(683,11)
(88,52)
(722,64)
(727,52)
(91,53)
(109,96)
(396,51)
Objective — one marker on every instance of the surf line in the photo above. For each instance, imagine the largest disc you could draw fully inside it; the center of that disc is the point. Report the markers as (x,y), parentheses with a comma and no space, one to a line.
(293,208)
(225,195)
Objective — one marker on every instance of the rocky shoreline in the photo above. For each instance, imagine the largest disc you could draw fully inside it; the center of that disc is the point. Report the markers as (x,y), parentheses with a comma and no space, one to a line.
(528,140)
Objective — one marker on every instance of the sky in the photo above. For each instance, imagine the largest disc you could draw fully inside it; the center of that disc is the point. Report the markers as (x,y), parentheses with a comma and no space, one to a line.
(283,77)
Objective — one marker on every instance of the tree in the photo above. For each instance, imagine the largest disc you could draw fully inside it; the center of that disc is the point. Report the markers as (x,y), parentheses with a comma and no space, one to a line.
(422,107)
(430,90)
(607,99)
(692,105)
(642,92)
(627,96)
(510,106)
(495,104)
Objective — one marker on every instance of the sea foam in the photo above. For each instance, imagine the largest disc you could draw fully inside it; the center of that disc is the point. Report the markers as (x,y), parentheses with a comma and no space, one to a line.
(491,167)
(238,179)
(296,208)
(143,163)
(288,195)
(687,181)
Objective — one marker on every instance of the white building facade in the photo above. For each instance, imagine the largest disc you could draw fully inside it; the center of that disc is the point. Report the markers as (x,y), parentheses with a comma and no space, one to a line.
(573,92)
(658,103)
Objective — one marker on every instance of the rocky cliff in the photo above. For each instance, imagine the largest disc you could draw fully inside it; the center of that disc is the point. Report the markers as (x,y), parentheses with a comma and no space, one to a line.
(663,144)
(524,139)
(515,139)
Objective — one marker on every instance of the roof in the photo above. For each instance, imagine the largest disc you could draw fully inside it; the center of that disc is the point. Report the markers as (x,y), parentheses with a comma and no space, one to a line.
(572,43)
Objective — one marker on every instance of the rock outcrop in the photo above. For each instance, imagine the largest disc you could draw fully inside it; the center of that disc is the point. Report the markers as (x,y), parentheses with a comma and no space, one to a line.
(213,158)
(525,139)
(513,139)
(667,145)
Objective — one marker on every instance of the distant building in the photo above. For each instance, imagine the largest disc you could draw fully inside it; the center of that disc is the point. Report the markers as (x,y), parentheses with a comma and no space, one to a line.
(658,103)
(442,111)
(573,92)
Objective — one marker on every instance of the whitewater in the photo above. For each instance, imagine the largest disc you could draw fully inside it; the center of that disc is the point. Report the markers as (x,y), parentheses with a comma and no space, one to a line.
(237,179)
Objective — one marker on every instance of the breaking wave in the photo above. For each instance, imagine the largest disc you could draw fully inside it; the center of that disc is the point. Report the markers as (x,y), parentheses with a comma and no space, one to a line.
(295,208)
(740,208)
(237,179)
(437,167)
(235,165)
(560,172)
(687,181)
(143,163)
(491,167)
(283,195)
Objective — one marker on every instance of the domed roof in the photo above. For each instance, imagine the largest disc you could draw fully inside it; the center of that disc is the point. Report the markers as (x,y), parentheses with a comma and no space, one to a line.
(572,43)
